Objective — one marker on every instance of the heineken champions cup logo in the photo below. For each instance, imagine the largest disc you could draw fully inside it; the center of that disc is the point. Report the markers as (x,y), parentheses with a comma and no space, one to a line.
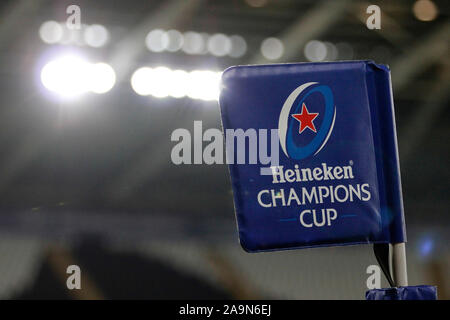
(305,125)
(300,119)
(332,176)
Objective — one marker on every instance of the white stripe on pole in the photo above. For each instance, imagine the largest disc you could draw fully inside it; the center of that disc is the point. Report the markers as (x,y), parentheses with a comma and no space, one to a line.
(400,274)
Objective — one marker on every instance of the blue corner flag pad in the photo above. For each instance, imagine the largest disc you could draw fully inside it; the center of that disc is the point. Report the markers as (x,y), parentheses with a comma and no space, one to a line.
(403,293)
(312,154)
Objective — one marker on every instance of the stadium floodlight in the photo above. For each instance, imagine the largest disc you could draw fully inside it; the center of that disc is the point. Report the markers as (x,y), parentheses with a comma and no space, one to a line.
(159,82)
(315,51)
(157,40)
(96,35)
(51,32)
(70,76)
(219,45)
(139,81)
(101,77)
(193,43)
(66,76)
(425,10)
(272,48)
(178,86)
(204,85)
(175,40)
(238,46)
(162,82)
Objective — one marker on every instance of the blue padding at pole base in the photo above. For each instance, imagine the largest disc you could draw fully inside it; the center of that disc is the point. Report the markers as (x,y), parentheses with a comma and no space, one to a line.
(403,293)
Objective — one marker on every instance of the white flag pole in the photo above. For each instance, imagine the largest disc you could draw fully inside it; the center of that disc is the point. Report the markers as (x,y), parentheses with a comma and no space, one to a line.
(399,270)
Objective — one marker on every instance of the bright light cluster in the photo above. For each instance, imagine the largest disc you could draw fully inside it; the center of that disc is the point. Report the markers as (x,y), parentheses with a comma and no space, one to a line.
(162,82)
(425,10)
(272,48)
(53,32)
(316,50)
(71,76)
(191,42)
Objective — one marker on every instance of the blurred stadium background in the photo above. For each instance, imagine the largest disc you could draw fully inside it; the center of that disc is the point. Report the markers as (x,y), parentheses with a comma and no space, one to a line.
(86,119)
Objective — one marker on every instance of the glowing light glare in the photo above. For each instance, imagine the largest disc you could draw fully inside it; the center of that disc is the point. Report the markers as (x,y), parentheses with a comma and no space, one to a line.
(139,81)
(49,76)
(205,38)
(96,35)
(178,87)
(66,76)
(219,45)
(71,76)
(51,32)
(157,40)
(425,10)
(162,82)
(159,82)
(175,40)
(272,48)
(204,85)
(238,46)
(193,43)
(426,246)
(72,36)
(101,78)
(332,52)
(315,51)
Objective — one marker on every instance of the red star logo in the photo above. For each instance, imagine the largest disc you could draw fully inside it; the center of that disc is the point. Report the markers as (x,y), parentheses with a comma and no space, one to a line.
(306,119)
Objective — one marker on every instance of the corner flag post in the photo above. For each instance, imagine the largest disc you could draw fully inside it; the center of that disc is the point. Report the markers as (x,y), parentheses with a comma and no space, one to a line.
(400,274)
(362,142)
